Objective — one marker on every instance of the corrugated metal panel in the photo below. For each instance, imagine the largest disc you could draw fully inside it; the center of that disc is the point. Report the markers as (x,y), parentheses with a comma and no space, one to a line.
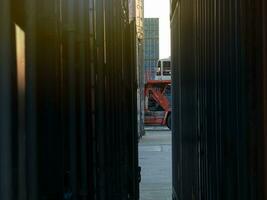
(79,140)
(217,98)
(185,171)
(116,104)
(264,22)
(6,163)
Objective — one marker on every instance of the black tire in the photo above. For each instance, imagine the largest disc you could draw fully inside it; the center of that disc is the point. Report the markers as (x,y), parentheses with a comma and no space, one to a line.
(169,121)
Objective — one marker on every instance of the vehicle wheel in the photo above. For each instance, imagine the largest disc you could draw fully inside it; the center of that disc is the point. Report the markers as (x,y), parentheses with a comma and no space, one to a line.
(169,122)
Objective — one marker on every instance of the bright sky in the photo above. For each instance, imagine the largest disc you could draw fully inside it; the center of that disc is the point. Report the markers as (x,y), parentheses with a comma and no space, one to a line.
(160,9)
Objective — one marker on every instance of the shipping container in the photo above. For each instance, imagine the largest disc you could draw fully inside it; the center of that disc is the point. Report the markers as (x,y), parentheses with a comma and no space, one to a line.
(67,100)
(219,99)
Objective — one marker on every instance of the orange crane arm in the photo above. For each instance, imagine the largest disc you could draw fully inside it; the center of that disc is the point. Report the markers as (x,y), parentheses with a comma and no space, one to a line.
(161,99)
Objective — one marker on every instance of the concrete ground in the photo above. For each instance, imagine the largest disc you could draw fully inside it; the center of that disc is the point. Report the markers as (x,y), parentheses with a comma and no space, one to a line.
(155,161)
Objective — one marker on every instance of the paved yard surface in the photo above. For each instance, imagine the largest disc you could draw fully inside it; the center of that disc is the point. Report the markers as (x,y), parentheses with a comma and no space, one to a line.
(155,161)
